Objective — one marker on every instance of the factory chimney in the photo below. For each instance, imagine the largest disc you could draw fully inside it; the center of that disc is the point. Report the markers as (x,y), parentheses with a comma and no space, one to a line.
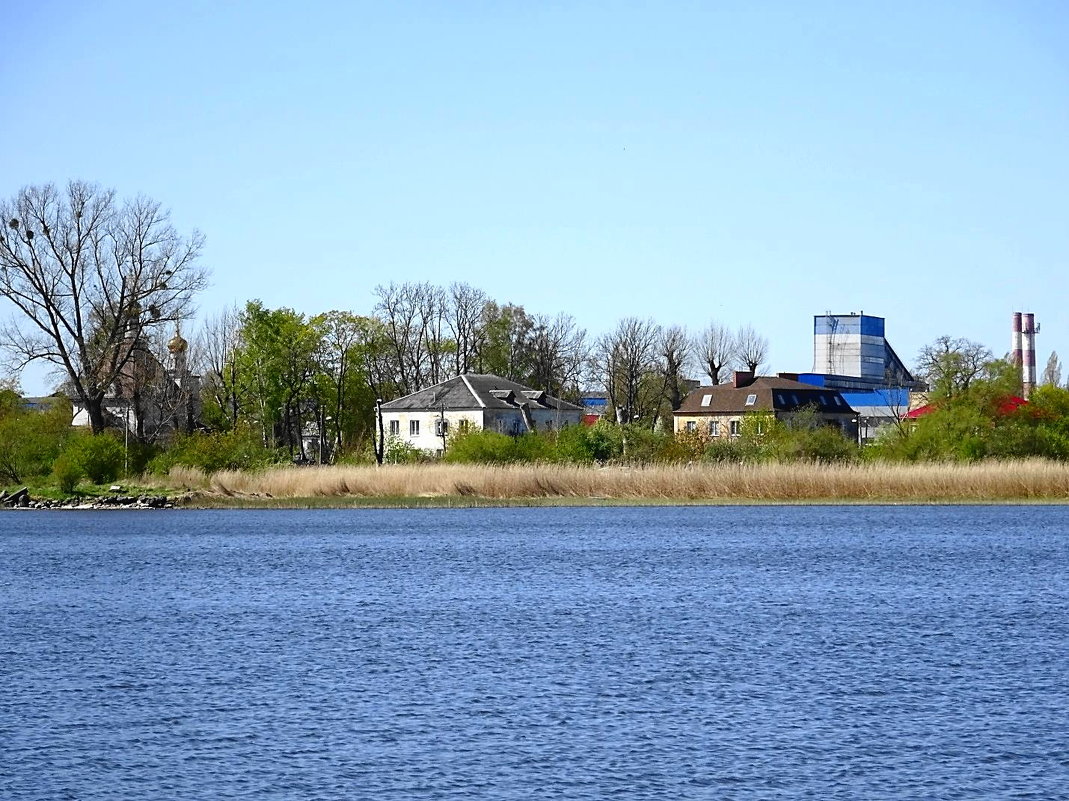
(1028,355)
(1015,342)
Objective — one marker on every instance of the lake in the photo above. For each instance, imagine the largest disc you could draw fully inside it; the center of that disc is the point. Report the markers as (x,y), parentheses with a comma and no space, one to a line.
(562,653)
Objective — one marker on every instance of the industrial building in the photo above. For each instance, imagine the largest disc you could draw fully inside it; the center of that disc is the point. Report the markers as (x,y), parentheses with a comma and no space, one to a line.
(851,354)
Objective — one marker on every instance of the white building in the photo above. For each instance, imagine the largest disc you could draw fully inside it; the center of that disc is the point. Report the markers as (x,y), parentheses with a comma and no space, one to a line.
(428,418)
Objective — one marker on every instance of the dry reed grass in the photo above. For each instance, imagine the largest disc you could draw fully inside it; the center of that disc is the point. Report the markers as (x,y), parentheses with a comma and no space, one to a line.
(877,482)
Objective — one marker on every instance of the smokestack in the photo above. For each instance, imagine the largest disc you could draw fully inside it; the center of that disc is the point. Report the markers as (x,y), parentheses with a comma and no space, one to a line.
(1028,353)
(1015,342)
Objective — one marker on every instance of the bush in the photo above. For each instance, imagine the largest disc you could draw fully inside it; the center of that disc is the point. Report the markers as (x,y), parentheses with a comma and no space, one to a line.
(240,449)
(100,457)
(30,441)
(67,473)
(397,451)
(585,444)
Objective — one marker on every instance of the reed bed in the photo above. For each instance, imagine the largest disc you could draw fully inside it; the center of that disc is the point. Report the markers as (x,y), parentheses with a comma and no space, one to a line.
(1027,480)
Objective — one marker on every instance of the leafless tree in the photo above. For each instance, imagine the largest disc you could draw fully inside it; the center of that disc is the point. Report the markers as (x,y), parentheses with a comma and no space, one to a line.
(752,348)
(675,352)
(89,275)
(716,348)
(558,355)
(1052,373)
(464,317)
(627,363)
(413,320)
(216,350)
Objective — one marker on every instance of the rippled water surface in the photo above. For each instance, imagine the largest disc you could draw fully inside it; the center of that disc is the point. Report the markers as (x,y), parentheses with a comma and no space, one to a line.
(668,653)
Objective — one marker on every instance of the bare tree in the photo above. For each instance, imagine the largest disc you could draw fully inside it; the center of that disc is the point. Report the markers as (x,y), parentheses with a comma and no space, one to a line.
(752,348)
(715,346)
(464,317)
(627,362)
(675,352)
(558,355)
(950,365)
(413,317)
(1052,373)
(217,346)
(89,276)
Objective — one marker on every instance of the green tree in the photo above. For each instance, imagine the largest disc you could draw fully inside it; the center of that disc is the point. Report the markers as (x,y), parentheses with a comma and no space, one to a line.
(276,362)
(343,393)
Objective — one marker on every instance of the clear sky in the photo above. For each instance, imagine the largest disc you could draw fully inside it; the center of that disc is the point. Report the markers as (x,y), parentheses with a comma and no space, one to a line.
(749,162)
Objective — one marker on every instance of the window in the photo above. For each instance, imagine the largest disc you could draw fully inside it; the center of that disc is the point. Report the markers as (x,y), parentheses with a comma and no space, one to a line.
(413,428)
(706,399)
(714,428)
(441,427)
(751,399)
(734,428)
(692,426)
(395,428)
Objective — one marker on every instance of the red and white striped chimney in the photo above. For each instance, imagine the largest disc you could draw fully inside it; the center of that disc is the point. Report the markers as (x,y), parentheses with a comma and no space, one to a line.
(1015,342)
(1028,354)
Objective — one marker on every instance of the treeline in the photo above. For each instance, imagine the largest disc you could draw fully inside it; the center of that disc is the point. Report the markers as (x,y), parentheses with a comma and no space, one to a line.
(285,374)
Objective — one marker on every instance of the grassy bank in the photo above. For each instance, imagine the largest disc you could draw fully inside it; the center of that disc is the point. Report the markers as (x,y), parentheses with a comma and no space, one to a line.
(471,485)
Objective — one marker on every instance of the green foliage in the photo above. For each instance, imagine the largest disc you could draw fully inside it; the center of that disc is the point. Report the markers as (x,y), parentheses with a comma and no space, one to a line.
(30,440)
(398,451)
(581,444)
(490,447)
(240,449)
(981,422)
(67,473)
(99,456)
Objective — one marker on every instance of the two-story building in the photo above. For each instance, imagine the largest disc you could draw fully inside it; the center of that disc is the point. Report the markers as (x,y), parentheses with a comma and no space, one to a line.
(426,419)
(718,410)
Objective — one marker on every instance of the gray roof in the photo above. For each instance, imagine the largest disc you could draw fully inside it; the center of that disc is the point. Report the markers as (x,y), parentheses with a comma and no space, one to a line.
(478,391)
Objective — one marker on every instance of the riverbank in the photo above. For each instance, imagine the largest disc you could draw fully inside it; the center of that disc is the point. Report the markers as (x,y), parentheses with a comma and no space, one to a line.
(441,485)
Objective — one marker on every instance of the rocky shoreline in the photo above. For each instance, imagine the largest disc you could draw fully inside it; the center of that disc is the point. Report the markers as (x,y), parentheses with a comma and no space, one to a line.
(21,500)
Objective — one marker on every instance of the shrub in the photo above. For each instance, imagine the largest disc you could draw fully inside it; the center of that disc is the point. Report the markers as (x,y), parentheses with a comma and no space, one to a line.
(397,451)
(100,457)
(585,444)
(30,441)
(67,473)
(240,449)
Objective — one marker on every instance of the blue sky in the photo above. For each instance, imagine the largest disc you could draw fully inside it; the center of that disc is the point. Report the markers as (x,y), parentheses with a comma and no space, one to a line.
(750,163)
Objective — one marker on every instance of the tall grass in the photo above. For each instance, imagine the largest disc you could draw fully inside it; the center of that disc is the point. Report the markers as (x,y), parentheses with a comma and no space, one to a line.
(876,482)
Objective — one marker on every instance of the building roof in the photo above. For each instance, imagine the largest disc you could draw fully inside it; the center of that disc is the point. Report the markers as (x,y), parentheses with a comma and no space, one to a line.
(765,393)
(478,391)
(1005,406)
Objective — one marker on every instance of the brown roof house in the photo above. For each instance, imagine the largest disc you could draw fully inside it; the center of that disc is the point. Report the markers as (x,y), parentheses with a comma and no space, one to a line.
(719,410)
(426,419)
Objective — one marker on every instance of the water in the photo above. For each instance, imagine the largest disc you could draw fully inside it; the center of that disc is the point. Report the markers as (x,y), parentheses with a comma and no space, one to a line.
(721,653)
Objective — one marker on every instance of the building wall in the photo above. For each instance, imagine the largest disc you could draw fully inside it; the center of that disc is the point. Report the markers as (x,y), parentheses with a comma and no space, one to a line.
(505,421)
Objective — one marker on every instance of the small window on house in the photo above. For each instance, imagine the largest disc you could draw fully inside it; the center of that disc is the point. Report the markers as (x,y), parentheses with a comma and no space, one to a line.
(413,428)
(781,399)
(441,427)
(706,400)
(751,399)
(734,428)
(838,400)
(692,426)
(395,428)
(714,428)
(823,400)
